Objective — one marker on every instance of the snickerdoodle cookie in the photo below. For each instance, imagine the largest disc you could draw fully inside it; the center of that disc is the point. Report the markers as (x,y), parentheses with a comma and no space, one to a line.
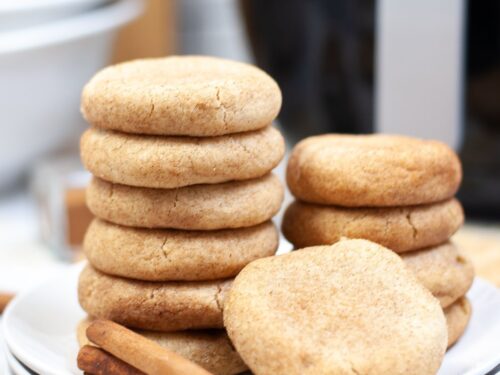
(167,306)
(457,317)
(168,254)
(233,204)
(210,349)
(181,95)
(170,162)
(348,308)
(397,228)
(443,270)
(372,170)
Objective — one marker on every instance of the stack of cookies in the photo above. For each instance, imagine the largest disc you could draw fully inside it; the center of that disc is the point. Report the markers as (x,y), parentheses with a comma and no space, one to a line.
(181,150)
(393,190)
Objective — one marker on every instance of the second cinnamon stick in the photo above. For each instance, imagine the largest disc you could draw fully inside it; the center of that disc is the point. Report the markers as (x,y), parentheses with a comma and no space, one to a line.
(96,361)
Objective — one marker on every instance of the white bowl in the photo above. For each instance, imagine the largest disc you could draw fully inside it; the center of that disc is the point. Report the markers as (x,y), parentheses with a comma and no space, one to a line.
(42,72)
(15,14)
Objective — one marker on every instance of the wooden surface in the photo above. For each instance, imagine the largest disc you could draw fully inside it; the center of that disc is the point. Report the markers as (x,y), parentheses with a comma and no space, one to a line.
(151,35)
(78,216)
(481,243)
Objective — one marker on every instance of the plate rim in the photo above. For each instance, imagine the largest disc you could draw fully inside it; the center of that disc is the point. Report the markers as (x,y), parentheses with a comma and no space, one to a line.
(10,343)
(12,363)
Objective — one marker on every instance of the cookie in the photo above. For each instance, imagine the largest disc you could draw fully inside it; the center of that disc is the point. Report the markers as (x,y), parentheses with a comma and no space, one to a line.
(168,254)
(210,349)
(171,162)
(372,170)
(233,204)
(397,228)
(350,308)
(443,270)
(168,306)
(457,318)
(181,95)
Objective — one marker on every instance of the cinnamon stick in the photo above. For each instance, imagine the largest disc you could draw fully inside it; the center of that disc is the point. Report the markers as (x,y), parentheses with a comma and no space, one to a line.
(96,361)
(5,298)
(140,352)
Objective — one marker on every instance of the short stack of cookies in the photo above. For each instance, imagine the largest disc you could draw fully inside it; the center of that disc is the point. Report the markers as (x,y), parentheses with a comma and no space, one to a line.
(393,190)
(181,150)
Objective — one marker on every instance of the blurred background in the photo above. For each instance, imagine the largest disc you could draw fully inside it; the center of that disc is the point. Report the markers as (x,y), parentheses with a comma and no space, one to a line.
(424,68)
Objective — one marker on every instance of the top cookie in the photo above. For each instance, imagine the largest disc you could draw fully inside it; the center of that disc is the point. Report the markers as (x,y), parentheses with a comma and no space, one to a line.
(372,170)
(350,308)
(181,95)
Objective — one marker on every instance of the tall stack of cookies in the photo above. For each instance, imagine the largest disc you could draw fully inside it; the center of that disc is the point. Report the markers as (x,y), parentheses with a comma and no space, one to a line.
(181,150)
(393,190)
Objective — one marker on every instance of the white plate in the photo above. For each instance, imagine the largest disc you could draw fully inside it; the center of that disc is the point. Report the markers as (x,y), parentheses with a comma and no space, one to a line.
(4,367)
(40,324)
(14,367)
(8,364)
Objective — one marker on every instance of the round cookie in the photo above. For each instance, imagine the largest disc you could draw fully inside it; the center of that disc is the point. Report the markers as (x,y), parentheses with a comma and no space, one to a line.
(443,270)
(397,228)
(348,308)
(233,204)
(171,162)
(372,171)
(168,254)
(168,306)
(181,95)
(457,317)
(210,349)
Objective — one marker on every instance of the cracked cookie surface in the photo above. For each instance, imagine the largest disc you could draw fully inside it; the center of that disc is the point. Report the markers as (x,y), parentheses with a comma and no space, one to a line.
(171,162)
(233,204)
(156,306)
(181,95)
(400,229)
(161,255)
(349,308)
(372,170)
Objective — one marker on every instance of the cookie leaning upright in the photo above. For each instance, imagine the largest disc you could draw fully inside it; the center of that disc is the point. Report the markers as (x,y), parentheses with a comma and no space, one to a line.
(350,308)
(181,149)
